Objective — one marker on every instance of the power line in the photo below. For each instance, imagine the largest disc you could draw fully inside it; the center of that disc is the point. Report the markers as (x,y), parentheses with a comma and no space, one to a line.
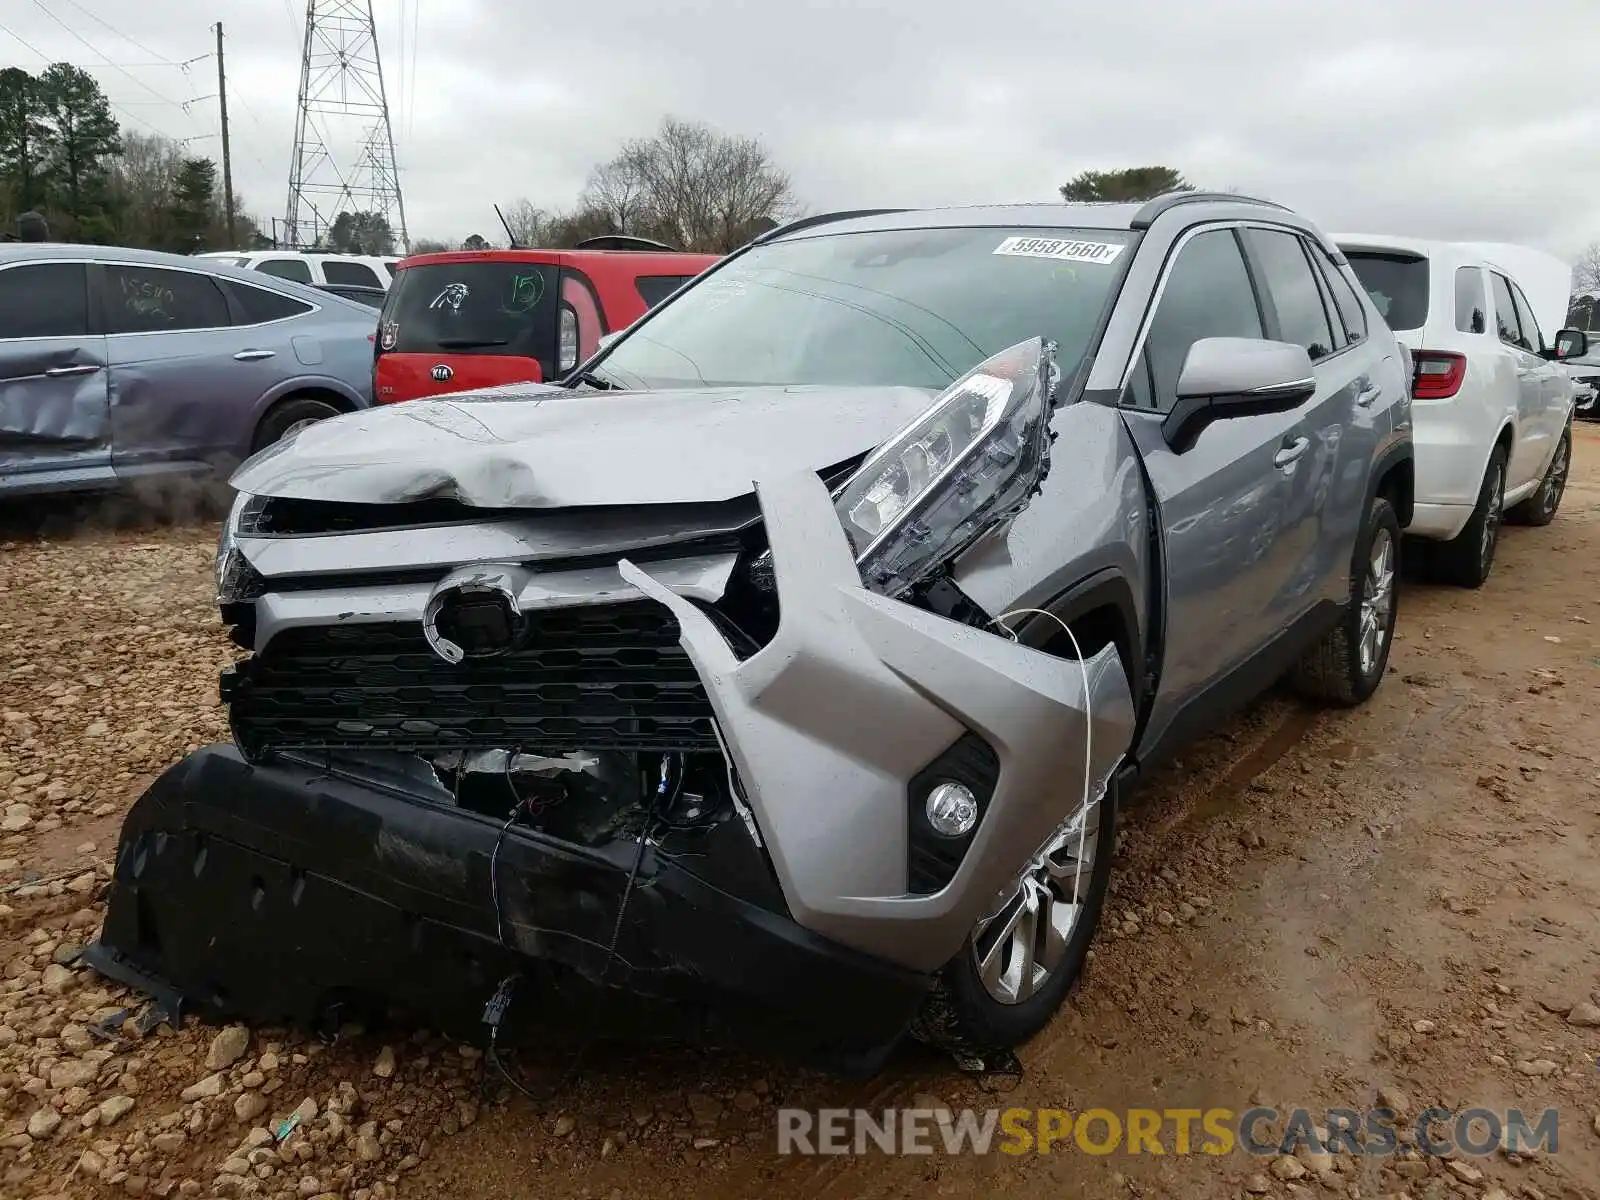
(411,92)
(135,118)
(125,37)
(42,55)
(39,4)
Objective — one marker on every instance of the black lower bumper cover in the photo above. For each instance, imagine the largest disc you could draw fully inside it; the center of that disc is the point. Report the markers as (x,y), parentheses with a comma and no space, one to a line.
(284,893)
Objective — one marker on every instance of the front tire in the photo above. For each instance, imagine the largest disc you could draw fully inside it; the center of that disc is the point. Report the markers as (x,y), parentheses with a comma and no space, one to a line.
(1541,507)
(1347,665)
(1017,967)
(1467,558)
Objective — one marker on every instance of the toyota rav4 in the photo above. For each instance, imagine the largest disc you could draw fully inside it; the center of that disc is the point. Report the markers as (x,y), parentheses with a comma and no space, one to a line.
(792,655)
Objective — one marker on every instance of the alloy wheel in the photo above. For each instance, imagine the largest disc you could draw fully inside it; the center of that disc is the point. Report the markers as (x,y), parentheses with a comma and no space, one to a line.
(1555,483)
(1377,601)
(1491,519)
(1024,940)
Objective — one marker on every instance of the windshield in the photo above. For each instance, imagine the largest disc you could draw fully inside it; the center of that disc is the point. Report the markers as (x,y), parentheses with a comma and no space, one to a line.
(912,307)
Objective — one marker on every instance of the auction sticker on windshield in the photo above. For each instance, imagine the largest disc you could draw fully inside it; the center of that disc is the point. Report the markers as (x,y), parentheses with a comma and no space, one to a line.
(1063,250)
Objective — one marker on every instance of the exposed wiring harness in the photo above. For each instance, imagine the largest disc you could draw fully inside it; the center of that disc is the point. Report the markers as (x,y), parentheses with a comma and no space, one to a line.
(659,803)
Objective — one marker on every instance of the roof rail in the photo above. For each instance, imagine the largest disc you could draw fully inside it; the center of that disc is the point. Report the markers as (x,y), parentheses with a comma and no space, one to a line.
(1152,209)
(800,223)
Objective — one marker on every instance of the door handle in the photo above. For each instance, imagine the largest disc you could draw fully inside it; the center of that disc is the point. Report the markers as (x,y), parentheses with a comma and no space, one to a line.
(1364,399)
(1291,451)
(62,372)
(253,355)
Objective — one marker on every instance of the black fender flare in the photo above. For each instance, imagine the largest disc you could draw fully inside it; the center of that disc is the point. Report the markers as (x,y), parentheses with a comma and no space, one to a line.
(1106,588)
(1386,461)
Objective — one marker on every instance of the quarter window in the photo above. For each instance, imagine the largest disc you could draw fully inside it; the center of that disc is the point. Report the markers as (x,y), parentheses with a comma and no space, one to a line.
(1470,304)
(1505,312)
(1207,294)
(156,300)
(653,289)
(1346,303)
(355,273)
(42,300)
(257,305)
(1302,319)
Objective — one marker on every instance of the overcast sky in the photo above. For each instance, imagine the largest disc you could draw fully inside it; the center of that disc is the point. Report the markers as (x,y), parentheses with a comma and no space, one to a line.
(1471,119)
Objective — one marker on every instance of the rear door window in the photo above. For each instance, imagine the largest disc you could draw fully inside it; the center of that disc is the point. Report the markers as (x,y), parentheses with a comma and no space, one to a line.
(142,299)
(286,268)
(477,307)
(1302,316)
(44,300)
(1532,336)
(1471,307)
(355,273)
(1397,284)
(653,289)
(1505,312)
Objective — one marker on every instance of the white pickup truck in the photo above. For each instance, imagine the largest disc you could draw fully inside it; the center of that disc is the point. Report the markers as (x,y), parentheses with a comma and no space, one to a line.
(1492,398)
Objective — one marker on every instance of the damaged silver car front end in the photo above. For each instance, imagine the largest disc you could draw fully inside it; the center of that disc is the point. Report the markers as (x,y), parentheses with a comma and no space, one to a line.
(758,748)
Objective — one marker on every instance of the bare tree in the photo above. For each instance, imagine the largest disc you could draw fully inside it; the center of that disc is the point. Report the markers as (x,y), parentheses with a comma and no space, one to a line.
(690,186)
(616,192)
(1586,270)
(527,223)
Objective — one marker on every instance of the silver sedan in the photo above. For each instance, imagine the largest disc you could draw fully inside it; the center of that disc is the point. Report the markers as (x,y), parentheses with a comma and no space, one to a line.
(119,364)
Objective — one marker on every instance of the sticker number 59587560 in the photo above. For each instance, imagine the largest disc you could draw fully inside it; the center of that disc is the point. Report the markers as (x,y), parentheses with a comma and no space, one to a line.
(1061,249)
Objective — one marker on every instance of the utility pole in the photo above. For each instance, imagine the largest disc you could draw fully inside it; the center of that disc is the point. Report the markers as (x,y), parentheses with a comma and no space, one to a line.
(227,157)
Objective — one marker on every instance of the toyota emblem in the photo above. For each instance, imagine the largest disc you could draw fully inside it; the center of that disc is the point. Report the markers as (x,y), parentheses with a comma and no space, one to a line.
(442,373)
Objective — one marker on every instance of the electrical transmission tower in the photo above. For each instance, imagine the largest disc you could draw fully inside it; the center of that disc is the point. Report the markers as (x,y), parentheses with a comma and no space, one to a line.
(342,103)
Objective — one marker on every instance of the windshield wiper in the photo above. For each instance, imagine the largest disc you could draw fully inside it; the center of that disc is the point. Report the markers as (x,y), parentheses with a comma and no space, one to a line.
(470,343)
(593,380)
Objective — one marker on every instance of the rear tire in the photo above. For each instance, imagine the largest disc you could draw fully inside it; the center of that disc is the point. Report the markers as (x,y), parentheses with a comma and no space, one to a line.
(284,416)
(981,1019)
(1541,507)
(1467,559)
(1347,665)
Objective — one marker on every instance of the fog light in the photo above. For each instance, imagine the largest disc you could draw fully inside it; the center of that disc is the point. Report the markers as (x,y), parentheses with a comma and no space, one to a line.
(952,810)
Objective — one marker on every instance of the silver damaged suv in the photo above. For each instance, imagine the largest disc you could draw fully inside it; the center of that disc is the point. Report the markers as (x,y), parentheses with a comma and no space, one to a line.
(787,660)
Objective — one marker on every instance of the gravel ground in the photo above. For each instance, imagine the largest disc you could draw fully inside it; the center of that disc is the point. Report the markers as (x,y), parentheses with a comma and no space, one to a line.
(1310,909)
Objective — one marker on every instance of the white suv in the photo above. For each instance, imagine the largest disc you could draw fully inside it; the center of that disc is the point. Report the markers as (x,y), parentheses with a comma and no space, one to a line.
(1492,409)
(314,267)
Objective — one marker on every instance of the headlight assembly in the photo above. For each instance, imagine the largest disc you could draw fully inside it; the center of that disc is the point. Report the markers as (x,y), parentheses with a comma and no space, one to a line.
(236,579)
(970,461)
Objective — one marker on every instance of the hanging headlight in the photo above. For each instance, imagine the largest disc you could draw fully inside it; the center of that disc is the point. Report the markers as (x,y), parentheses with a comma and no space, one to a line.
(236,579)
(971,460)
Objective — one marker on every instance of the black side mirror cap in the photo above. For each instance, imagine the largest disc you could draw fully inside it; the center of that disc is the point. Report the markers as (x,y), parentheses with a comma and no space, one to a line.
(1570,343)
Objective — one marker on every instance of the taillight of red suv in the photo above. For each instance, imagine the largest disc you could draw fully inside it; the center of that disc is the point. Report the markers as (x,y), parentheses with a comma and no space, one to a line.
(1437,374)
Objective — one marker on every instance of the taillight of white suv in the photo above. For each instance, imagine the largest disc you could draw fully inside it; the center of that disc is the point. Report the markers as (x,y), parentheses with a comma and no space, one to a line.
(1438,374)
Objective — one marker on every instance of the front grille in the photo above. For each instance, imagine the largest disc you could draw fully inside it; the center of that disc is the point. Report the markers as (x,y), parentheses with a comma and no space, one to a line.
(606,677)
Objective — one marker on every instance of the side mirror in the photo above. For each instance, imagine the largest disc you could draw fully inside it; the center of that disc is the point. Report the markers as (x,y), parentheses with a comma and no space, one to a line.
(1236,377)
(607,338)
(1571,343)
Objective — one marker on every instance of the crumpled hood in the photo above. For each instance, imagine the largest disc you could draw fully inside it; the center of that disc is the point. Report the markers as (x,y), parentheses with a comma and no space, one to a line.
(528,446)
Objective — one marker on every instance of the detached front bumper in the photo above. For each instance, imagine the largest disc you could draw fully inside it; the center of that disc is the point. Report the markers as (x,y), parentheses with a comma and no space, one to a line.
(283,893)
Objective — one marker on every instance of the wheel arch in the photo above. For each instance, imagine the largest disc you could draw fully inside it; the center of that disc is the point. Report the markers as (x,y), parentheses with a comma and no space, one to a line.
(1100,610)
(328,392)
(1394,477)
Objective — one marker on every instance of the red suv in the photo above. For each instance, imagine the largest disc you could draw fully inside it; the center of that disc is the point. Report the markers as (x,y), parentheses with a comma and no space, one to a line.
(476,318)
